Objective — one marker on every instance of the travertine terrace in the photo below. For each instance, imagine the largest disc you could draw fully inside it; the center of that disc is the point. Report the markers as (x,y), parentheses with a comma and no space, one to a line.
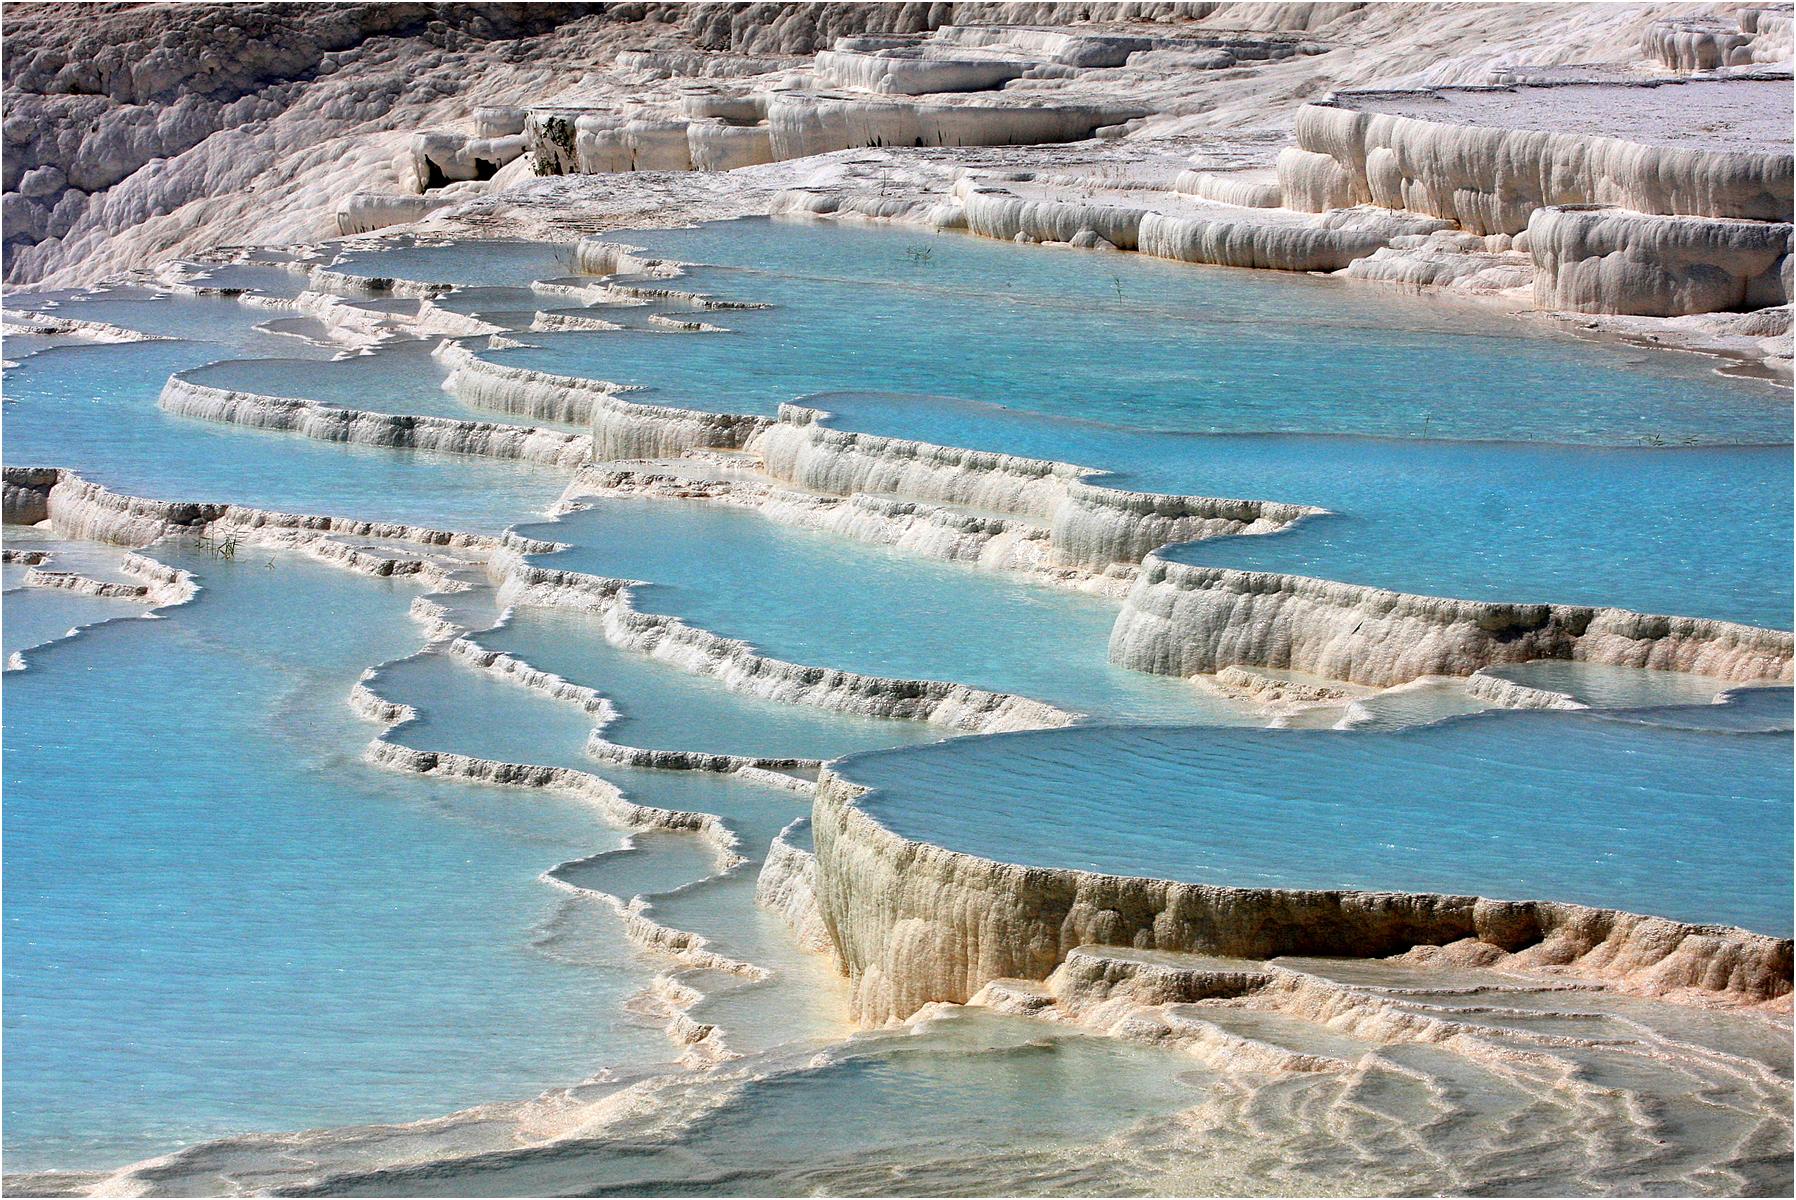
(562,427)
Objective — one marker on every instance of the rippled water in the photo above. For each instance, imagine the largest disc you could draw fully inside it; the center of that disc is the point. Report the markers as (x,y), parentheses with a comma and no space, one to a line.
(1694,825)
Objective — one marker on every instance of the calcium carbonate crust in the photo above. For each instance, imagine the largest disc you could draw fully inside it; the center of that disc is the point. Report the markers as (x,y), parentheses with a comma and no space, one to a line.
(1185,619)
(914,923)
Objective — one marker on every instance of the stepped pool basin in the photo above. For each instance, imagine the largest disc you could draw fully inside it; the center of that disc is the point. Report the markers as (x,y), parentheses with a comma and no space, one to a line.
(93,409)
(200,844)
(1688,824)
(262,932)
(822,600)
(1134,340)
(661,707)
(1502,521)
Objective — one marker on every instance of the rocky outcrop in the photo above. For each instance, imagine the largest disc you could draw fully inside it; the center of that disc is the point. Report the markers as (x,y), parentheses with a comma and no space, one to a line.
(1606,260)
(441,157)
(912,923)
(1184,619)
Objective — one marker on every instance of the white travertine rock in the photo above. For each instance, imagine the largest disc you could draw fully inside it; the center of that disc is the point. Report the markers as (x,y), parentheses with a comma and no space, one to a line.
(344,283)
(78,508)
(325,422)
(621,429)
(547,322)
(1606,260)
(1257,188)
(926,211)
(1280,247)
(442,157)
(1273,689)
(1184,619)
(1491,179)
(522,392)
(803,124)
(1687,44)
(39,324)
(912,924)
(1312,182)
(909,72)
(1089,529)
(716,145)
(993,213)
(799,450)
(740,668)
(1443,260)
(1326,243)
(1509,694)
(730,107)
(915,527)
(365,212)
(787,886)
(498,120)
(607,144)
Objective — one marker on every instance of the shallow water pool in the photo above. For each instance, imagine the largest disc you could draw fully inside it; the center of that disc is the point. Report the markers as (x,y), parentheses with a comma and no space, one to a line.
(1683,823)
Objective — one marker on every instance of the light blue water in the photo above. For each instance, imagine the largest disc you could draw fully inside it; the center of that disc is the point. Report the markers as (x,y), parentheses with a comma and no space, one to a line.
(220,919)
(94,409)
(212,319)
(1682,823)
(663,708)
(1694,531)
(377,946)
(894,1114)
(1144,342)
(470,264)
(823,600)
(469,712)
(264,278)
(35,616)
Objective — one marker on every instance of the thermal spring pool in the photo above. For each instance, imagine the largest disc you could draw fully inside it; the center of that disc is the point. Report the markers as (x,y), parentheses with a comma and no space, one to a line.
(218,919)
(1681,823)
(513,799)
(1137,341)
